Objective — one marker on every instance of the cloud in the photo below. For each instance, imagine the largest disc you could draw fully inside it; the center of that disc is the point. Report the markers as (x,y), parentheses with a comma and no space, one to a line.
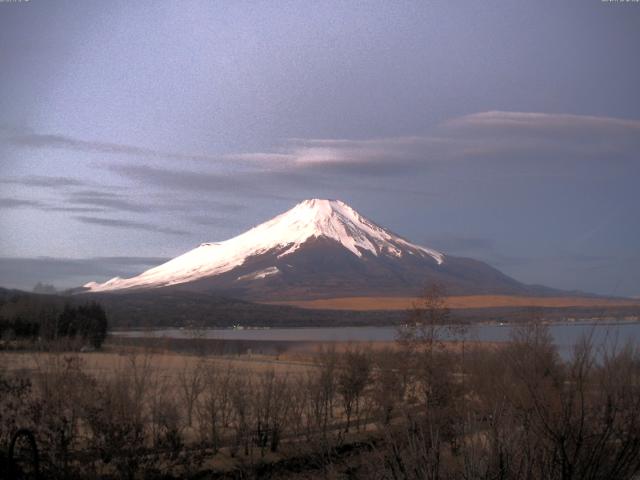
(380,156)
(73,200)
(75,197)
(109,200)
(508,143)
(49,208)
(542,136)
(544,122)
(487,135)
(6,202)
(128,224)
(218,222)
(226,207)
(75,204)
(43,181)
(25,272)
(65,142)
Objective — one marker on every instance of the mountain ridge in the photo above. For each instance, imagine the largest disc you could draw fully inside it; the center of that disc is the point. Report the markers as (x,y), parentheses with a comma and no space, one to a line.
(319,249)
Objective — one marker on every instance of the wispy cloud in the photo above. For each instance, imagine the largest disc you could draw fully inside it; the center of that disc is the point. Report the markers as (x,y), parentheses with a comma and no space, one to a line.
(109,200)
(52,208)
(65,142)
(128,224)
(381,156)
(43,181)
(74,196)
(218,222)
(7,202)
(487,135)
(313,165)
(541,136)
(544,122)
(77,202)
(479,135)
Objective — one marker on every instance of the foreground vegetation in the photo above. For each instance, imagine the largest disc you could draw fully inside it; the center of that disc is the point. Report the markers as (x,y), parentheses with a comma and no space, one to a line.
(24,322)
(420,410)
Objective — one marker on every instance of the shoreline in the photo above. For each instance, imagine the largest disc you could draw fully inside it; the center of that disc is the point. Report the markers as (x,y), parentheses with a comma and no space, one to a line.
(120,330)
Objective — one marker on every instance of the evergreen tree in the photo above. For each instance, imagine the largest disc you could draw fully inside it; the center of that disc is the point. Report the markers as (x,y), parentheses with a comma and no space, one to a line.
(87,321)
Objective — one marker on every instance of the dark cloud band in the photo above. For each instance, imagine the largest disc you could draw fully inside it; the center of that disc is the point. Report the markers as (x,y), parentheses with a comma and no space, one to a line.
(128,224)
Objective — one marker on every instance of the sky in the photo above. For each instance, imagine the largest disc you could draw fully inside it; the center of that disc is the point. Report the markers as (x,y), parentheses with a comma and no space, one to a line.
(509,132)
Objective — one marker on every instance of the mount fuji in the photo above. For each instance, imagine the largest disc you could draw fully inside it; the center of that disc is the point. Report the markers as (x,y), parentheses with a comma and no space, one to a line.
(318,249)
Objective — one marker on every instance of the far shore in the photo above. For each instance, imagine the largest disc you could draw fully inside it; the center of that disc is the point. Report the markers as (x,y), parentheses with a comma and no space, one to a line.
(457,302)
(590,321)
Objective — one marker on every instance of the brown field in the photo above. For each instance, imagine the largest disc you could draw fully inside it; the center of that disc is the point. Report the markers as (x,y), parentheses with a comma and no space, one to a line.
(311,410)
(457,302)
(294,358)
(168,364)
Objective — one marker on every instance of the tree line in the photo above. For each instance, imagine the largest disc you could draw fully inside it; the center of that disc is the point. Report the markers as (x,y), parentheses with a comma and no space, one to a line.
(30,318)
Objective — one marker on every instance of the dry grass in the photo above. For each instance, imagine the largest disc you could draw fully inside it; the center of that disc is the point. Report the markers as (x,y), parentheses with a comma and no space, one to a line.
(167,364)
(128,412)
(468,301)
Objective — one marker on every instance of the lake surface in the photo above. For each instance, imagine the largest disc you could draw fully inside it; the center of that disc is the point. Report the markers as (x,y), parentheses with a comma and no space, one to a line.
(565,335)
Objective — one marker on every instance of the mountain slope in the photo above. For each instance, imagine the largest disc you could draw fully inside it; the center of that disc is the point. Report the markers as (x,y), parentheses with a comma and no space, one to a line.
(318,249)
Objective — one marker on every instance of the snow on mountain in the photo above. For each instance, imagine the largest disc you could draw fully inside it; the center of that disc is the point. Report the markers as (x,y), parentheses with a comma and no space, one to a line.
(260,274)
(284,234)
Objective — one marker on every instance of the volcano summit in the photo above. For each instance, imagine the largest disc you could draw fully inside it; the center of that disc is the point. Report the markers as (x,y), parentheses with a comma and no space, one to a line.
(318,249)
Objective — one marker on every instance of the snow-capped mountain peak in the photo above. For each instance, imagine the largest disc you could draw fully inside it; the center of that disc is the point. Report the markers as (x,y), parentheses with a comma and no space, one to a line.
(336,220)
(283,235)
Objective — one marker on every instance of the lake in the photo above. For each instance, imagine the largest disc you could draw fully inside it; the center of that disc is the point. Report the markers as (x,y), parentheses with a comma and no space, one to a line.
(564,335)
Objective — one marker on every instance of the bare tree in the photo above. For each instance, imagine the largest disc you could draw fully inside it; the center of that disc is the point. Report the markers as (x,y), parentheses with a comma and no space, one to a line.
(191,384)
(389,382)
(215,408)
(241,390)
(271,407)
(322,388)
(428,322)
(353,378)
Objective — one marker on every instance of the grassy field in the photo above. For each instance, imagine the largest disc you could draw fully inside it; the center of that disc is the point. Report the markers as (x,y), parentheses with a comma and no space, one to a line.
(165,363)
(152,408)
(457,302)
(155,383)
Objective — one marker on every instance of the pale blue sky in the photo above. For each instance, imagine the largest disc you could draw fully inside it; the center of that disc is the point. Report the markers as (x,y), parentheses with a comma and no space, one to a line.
(504,131)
